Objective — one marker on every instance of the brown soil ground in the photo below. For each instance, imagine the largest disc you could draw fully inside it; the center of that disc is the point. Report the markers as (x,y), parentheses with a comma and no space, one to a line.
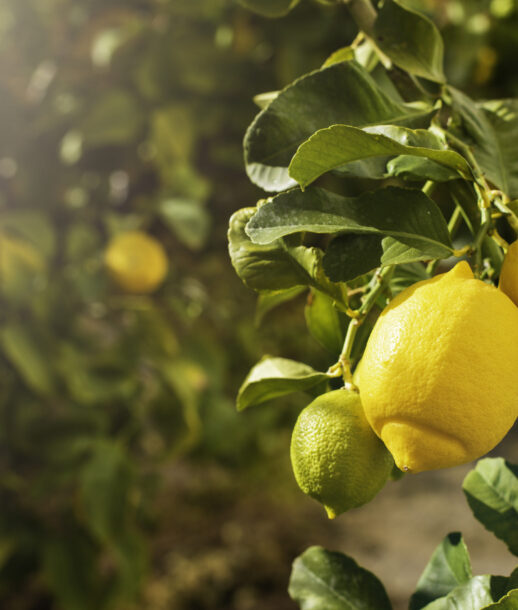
(231,540)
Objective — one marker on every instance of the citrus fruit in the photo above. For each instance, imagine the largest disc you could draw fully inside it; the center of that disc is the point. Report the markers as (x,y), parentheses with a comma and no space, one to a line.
(509,273)
(438,378)
(336,457)
(136,261)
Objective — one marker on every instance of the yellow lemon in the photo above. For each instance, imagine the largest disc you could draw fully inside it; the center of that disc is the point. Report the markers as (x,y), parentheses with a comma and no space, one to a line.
(438,378)
(136,261)
(336,457)
(509,273)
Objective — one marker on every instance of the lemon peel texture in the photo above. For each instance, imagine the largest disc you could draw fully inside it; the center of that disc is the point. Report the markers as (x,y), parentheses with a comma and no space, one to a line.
(438,378)
(136,261)
(336,457)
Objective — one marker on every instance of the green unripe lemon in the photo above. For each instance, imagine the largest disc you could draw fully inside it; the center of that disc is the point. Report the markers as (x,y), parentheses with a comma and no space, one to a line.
(336,457)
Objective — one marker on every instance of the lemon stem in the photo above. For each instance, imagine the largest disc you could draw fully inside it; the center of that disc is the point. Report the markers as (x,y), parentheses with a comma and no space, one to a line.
(454,221)
(379,283)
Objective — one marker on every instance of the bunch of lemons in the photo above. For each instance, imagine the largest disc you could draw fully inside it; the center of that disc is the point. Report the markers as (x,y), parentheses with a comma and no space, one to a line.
(438,387)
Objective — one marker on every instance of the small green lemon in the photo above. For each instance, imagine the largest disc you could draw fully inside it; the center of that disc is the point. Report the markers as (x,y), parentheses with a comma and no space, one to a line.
(136,261)
(336,457)
(438,375)
(509,274)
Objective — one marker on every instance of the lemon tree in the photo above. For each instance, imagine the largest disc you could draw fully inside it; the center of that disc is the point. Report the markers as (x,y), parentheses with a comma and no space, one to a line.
(390,200)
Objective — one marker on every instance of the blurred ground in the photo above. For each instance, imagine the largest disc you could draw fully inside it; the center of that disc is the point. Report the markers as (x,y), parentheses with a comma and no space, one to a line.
(230,544)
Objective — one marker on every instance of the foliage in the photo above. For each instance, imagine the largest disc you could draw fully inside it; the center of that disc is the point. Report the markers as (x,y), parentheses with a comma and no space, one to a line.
(117,117)
(377,166)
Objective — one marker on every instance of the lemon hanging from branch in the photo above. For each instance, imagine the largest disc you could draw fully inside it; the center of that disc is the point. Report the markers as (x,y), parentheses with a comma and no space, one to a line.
(438,378)
(336,457)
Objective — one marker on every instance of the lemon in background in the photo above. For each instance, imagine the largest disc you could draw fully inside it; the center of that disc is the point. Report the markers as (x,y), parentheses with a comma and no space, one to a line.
(136,261)
(438,378)
(336,457)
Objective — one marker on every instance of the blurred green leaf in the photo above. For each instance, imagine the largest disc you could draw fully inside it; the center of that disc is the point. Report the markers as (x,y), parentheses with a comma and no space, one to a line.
(32,227)
(105,482)
(492,493)
(113,120)
(326,580)
(274,377)
(69,567)
(28,357)
(448,568)
(410,40)
(270,8)
(189,221)
(22,270)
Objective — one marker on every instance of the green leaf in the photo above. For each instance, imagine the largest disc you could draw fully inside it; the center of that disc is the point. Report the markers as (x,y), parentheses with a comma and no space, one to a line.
(270,299)
(69,568)
(105,483)
(115,119)
(406,275)
(509,602)
(325,323)
(326,580)
(410,40)
(274,377)
(419,168)
(491,130)
(448,568)
(270,8)
(275,266)
(338,145)
(28,357)
(472,595)
(341,93)
(188,220)
(343,54)
(33,227)
(503,117)
(409,216)
(492,493)
(349,256)
(262,267)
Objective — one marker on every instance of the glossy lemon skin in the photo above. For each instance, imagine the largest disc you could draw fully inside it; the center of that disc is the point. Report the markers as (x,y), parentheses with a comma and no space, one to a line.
(509,273)
(136,261)
(439,376)
(336,457)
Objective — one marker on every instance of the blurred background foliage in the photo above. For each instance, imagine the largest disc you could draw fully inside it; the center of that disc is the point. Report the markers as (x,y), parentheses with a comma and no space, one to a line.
(121,455)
